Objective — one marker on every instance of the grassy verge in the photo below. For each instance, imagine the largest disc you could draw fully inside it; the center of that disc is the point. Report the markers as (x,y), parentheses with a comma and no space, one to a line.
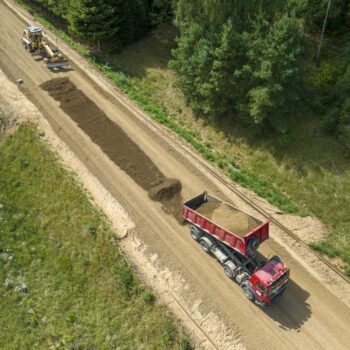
(307,172)
(64,284)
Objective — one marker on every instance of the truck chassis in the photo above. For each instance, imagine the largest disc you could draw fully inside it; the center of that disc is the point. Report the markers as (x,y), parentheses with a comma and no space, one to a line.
(237,267)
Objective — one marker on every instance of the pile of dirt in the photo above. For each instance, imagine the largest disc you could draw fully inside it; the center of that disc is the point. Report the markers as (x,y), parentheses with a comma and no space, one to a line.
(165,190)
(168,192)
(228,217)
(116,144)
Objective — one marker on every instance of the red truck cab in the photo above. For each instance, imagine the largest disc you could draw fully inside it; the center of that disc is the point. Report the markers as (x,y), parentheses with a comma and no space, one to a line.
(268,282)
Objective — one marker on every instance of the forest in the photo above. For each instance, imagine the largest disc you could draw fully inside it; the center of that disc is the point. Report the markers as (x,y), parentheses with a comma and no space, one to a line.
(244,60)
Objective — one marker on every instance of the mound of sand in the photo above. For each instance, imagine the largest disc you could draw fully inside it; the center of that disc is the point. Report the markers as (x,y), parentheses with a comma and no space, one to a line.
(166,190)
(228,217)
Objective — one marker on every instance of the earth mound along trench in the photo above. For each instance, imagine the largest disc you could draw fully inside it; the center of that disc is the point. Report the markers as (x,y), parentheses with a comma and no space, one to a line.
(116,144)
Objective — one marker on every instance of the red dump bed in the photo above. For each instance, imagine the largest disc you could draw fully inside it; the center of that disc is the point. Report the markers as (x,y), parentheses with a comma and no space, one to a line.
(225,222)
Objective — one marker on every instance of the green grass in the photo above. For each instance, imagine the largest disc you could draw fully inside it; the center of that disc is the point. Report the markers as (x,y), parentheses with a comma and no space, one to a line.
(306,172)
(64,284)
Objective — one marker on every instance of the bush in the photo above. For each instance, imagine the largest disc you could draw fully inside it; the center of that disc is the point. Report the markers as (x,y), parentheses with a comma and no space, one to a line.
(330,122)
(126,278)
(148,297)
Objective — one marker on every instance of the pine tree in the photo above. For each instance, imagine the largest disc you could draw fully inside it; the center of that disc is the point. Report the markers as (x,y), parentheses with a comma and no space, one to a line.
(238,59)
(229,70)
(95,19)
(193,59)
(116,22)
(276,74)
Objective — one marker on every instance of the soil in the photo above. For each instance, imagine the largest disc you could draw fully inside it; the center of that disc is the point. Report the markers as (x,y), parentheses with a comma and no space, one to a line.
(228,217)
(166,190)
(116,144)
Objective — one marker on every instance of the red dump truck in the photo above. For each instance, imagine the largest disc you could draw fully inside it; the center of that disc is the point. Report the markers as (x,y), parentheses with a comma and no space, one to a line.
(233,237)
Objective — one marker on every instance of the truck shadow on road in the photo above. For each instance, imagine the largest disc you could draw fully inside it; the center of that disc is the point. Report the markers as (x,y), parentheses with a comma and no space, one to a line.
(291,310)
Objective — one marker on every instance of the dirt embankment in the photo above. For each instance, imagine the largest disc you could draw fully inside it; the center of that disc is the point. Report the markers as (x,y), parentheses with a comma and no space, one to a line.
(12,110)
(116,144)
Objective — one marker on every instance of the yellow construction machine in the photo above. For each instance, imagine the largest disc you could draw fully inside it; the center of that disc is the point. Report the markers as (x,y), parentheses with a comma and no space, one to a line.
(36,42)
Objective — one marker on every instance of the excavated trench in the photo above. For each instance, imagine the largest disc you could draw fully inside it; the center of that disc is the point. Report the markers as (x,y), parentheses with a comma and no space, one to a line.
(116,144)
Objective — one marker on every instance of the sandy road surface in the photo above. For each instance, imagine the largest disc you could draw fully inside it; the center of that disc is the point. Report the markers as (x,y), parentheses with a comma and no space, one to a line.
(307,317)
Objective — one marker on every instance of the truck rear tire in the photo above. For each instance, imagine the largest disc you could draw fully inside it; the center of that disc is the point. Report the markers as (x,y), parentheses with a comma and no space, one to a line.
(196,234)
(206,244)
(253,245)
(230,270)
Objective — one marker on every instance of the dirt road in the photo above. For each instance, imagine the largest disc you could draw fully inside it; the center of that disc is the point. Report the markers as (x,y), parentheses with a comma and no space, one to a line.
(308,316)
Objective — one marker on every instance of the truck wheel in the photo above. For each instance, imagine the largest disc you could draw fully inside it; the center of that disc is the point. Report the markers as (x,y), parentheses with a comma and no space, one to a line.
(205,245)
(230,269)
(253,245)
(228,272)
(248,293)
(195,233)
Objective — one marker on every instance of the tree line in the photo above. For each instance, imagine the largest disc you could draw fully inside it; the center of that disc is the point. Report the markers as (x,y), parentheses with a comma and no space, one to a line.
(235,59)
(247,60)
(111,24)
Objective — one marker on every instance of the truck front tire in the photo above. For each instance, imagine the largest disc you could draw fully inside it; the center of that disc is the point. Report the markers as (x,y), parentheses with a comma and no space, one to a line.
(248,293)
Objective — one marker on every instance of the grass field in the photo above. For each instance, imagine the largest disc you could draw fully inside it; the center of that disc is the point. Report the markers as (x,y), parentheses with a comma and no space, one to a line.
(305,172)
(64,284)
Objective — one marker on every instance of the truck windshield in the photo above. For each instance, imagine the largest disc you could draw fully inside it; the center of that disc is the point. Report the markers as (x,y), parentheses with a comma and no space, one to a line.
(281,281)
(260,287)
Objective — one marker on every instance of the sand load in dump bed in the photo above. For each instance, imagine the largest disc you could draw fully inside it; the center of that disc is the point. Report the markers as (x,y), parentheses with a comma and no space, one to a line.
(228,217)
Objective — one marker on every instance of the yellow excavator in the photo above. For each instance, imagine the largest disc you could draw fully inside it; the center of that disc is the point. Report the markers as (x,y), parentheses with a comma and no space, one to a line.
(35,41)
